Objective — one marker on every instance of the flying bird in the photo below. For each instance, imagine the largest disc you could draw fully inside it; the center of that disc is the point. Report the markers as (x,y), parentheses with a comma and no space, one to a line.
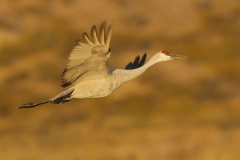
(86,74)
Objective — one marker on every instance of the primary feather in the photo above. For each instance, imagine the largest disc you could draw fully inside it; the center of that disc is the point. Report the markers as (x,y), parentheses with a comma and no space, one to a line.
(136,63)
(88,56)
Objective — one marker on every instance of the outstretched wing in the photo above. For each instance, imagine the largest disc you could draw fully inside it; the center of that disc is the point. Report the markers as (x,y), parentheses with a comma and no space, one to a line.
(88,56)
(138,62)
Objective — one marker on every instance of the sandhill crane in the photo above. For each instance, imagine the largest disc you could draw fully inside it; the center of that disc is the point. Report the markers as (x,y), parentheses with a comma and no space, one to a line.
(86,74)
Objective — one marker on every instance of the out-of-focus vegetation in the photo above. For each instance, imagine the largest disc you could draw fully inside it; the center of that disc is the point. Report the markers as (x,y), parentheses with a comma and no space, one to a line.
(175,111)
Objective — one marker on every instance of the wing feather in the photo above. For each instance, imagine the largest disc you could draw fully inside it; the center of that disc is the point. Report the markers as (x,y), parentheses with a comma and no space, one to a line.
(94,35)
(87,39)
(102,33)
(88,56)
(108,34)
(138,62)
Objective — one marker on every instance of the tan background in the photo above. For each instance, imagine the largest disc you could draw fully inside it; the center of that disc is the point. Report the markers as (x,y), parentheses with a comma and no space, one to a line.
(177,110)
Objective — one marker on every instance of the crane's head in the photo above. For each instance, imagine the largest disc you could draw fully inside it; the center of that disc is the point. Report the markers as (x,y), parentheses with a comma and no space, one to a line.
(166,56)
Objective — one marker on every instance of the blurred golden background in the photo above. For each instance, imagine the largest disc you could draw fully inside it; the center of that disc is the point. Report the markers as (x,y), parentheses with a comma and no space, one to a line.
(177,110)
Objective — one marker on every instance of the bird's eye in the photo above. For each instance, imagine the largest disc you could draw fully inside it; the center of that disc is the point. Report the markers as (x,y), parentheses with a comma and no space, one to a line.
(165,52)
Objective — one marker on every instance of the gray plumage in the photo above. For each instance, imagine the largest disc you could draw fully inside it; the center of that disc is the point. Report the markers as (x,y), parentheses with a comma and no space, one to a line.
(86,74)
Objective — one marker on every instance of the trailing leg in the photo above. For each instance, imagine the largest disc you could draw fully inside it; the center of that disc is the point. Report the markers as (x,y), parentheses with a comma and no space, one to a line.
(31,105)
(63,97)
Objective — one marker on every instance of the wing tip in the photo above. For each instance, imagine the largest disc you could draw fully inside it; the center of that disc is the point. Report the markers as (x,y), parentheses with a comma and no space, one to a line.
(138,62)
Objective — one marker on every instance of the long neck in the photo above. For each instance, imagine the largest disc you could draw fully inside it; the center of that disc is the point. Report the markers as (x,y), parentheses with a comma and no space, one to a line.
(121,76)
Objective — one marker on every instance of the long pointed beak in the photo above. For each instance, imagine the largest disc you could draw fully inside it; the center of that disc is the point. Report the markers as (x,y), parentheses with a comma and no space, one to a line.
(178,56)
